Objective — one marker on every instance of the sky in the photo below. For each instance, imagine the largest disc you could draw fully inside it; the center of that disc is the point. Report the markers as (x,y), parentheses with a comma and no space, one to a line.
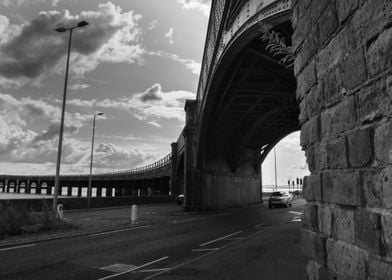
(136,62)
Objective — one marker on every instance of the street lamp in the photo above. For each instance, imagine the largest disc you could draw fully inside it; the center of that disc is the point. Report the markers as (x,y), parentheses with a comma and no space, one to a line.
(91,162)
(57,179)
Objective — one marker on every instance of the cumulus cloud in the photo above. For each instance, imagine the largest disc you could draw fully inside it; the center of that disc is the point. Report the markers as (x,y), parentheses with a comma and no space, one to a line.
(152,25)
(190,64)
(169,35)
(154,124)
(116,157)
(30,50)
(22,145)
(157,105)
(202,5)
(80,86)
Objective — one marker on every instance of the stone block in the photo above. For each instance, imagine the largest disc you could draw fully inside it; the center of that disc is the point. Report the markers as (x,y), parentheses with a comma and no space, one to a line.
(312,187)
(379,270)
(325,220)
(303,27)
(334,92)
(315,100)
(373,101)
(310,132)
(346,260)
(378,188)
(340,118)
(310,217)
(313,246)
(371,19)
(310,157)
(317,272)
(328,22)
(336,153)
(320,156)
(383,143)
(343,225)
(341,187)
(360,148)
(379,53)
(306,80)
(334,53)
(317,9)
(386,233)
(367,230)
(303,114)
(372,189)
(354,69)
(346,8)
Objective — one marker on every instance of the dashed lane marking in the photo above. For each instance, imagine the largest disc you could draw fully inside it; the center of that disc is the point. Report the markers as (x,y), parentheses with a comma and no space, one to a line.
(188,220)
(118,230)
(220,238)
(152,270)
(17,247)
(133,269)
(261,225)
(205,250)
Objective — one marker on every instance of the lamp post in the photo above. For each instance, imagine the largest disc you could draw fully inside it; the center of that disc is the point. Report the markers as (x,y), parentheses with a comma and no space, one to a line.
(91,162)
(57,179)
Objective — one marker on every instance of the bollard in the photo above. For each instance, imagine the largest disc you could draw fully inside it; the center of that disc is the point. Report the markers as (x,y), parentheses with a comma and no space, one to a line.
(60,211)
(134,214)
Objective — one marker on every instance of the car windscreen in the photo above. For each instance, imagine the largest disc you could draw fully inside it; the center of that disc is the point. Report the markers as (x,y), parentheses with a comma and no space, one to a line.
(276,194)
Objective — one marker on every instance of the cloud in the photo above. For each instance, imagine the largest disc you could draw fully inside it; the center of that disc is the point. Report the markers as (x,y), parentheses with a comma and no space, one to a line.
(152,25)
(151,94)
(18,3)
(203,5)
(31,50)
(166,105)
(117,157)
(78,86)
(169,35)
(18,144)
(152,104)
(190,64)
(154,124)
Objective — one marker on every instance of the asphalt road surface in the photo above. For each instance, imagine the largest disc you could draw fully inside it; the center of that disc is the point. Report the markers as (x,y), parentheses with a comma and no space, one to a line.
(245,243)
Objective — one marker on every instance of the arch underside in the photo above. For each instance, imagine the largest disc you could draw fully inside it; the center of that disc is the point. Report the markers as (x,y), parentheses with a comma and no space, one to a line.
(251,106)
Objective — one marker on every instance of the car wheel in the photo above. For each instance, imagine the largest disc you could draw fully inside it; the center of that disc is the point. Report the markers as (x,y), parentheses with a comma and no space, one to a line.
(286,204)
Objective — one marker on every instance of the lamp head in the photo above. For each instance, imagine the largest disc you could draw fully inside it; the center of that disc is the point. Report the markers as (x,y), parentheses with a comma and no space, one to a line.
(61,29)
(82,23)
(99,114)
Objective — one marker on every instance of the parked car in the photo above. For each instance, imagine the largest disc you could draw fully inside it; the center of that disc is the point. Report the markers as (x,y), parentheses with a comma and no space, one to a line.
(180,199)
(280,199)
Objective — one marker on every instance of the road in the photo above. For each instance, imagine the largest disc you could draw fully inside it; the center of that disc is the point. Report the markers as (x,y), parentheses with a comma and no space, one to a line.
(245,243)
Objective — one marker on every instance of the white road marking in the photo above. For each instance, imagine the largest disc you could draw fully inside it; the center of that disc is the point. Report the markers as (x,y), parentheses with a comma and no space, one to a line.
(188,220)
(118,267)
(296,219)
(223,237)
(133,269)
(261,225)
(235,238)
(152,270)
(205,250)
(295,212)
(203,256)
(118,230)
(18,247)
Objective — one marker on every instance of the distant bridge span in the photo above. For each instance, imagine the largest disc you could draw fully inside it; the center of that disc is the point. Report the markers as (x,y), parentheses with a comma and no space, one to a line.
(147,180)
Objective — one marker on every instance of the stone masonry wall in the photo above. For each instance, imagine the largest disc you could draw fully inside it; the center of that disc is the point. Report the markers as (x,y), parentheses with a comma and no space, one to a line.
(344,72)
